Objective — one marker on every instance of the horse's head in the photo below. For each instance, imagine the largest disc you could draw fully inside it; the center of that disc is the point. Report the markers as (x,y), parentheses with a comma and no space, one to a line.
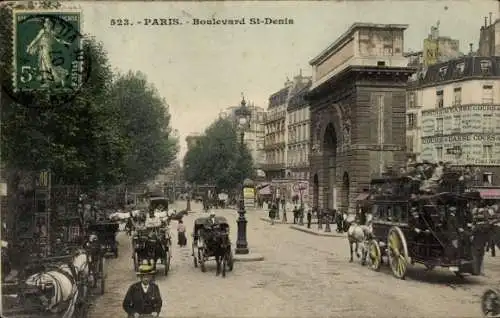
(80,260)
(40,288)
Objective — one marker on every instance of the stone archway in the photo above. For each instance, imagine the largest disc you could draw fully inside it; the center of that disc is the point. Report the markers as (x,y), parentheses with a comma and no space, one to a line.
(316,191)
(344,204)
(329,167)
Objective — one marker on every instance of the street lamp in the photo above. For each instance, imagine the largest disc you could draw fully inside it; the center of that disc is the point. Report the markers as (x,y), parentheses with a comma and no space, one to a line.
(243,116)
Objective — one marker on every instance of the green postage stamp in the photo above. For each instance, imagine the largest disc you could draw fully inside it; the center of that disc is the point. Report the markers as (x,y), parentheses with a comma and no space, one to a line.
(48,52)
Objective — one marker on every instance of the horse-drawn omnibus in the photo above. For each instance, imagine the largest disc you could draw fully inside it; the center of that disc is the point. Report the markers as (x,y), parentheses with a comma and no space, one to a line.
(430,229)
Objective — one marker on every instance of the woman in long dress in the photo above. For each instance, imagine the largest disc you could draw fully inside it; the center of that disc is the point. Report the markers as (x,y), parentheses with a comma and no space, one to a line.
(42,45)
(181,234)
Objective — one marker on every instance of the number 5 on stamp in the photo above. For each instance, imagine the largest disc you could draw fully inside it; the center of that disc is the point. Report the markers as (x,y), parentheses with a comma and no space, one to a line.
(47,50)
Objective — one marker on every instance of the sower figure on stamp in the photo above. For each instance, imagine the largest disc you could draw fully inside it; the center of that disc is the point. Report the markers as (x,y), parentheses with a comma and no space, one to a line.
(143,298)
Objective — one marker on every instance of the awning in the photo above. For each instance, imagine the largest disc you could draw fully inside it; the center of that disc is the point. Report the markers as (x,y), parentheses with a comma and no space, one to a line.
(265,191)
(362,196)
(490,194)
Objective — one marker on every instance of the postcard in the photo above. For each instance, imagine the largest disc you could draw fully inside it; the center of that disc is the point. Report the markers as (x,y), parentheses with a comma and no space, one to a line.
(250,158)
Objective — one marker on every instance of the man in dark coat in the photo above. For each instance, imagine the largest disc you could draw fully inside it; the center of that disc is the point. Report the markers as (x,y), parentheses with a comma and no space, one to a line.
(143,298)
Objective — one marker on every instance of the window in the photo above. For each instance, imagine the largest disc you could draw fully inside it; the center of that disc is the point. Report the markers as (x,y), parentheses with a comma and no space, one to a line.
(412,120)
(457,123)
(485,66)
(457,96)
(439,126)
(409,143)
(439,153)
(488,123)
(487,94)
(439,99)
(411,100)
(487,151)
(442,72)
(459,69)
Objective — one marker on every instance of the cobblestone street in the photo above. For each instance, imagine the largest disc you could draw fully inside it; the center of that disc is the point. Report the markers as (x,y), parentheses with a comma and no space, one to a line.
(302,275)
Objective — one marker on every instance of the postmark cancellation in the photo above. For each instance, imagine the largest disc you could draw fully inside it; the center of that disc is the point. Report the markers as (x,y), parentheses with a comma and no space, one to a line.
(48,51)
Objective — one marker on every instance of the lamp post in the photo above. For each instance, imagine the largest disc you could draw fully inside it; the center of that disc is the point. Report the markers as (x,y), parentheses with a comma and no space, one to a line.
(188,199)
(243,116)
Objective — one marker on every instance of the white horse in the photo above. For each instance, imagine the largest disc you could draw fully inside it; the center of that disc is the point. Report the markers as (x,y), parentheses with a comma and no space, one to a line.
(64,283)
(357,234)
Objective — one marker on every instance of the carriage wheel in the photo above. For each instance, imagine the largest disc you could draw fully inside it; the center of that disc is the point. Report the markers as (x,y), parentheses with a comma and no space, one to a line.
(374,255)
(230,261)
(201,260)
(490,303)
(102,286)
(398,252)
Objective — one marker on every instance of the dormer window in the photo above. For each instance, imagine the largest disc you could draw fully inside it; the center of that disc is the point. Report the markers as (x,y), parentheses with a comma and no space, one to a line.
(485,66)
(459,69)
(442,71)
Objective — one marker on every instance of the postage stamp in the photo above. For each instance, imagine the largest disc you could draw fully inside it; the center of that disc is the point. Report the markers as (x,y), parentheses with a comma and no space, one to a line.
(48,51)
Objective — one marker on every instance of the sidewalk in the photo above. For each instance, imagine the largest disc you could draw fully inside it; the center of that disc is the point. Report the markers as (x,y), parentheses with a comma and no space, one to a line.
(315,231)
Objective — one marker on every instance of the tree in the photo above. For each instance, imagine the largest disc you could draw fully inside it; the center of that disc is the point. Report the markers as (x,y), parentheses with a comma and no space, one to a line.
(219,158)
(145,125)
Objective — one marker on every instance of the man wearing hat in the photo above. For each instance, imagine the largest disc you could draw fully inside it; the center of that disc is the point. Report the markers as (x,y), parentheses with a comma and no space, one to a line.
(143,298)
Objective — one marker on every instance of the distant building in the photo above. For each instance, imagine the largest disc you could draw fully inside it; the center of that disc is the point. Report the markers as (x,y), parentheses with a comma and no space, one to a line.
(192,140)
(439,48)
(298,130)
(454,114)
(254,136)
(276,133)
(489,39)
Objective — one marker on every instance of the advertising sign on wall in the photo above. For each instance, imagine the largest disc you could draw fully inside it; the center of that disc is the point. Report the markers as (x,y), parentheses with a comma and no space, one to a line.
(249,197)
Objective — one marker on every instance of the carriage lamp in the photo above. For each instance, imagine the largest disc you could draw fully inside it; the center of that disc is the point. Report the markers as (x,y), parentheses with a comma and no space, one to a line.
(242,116)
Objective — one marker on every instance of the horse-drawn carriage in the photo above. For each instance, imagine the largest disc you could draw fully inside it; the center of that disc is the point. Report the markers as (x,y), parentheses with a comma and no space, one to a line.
(49,287)
(211,239)
(106,235)
(430,229)
(152,244)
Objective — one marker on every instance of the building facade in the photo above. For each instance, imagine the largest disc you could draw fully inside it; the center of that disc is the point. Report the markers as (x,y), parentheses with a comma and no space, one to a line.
(254,135)
(456,114)
(192,140)
(357,105)
(298,117)
(275,137)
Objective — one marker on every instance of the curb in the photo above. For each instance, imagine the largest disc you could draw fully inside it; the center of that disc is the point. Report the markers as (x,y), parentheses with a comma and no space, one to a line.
(269,221)
(251,257)
(312,232)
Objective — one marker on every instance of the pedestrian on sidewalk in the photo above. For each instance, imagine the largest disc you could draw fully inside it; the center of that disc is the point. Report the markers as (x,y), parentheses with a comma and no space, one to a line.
(273,212)
(309,218)
(143,297)
(181,234)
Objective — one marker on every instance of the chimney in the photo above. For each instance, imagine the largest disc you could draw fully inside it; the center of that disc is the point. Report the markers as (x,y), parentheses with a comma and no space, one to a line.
(470,49)
(491,14)
(485,22)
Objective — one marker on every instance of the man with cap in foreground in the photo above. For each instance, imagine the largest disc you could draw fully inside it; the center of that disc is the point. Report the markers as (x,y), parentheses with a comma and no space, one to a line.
(143,298)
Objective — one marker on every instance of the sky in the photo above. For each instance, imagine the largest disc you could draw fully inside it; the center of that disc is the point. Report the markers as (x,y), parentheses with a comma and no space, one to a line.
(201,70)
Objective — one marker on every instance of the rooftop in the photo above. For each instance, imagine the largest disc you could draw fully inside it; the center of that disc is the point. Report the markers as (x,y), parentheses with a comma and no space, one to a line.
(354,27)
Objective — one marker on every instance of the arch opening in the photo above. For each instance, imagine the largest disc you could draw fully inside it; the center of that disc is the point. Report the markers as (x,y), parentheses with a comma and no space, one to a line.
(329,167)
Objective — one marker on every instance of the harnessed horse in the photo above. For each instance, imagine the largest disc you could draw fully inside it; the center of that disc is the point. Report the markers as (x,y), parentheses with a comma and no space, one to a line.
(219,244)
(358,234)
(63,280)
